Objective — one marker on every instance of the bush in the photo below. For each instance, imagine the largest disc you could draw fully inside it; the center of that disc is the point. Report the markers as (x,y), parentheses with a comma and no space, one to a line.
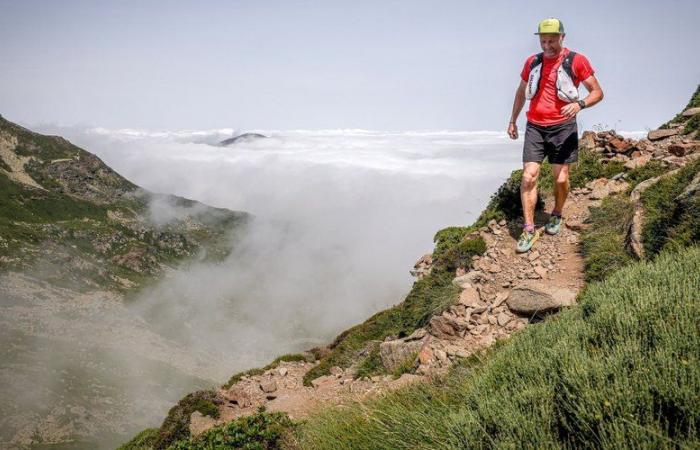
(176,425)
(667,222)
(603,246)
(460,255)
(145,440)
(621,370)
(261,431)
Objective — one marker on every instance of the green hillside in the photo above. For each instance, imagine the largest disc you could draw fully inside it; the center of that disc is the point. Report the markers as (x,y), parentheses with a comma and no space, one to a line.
(67,214)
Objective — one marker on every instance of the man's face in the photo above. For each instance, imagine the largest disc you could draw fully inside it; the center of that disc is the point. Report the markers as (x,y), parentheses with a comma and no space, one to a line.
(551,44)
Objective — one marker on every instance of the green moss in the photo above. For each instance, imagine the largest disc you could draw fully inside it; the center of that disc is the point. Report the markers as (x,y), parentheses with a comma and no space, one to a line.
(260,431)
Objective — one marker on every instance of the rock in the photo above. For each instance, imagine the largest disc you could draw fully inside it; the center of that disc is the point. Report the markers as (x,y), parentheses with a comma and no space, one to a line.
(419,333)
(239,397)
(587,140)
(502,319)
(395,353)
(335,370)
(468,279)
(576,225)
(502,222)
(469,297)
(199,423)
(268,386)
(602,188)
(426,355)
(691,112)
(541,271)
(441,355)
(691,190)
(620,145)
(683,148)
(282,371)
(447,327)
(637,162)
(527,299)
(533,255)
(423,266)
(655,135)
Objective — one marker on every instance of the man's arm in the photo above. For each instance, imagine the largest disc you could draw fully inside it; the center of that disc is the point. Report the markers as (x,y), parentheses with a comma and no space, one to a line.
(595,95)
(518,104)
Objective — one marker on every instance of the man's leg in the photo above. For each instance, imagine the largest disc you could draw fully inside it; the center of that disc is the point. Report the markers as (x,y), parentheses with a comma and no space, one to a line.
(528,193)
(561,186)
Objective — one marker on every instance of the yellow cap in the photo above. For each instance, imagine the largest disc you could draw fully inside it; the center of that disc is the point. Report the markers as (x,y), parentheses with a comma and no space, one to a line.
(550,25)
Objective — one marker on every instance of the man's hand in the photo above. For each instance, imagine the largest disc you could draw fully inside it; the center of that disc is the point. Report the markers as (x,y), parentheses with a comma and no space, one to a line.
(513,130)
(570,110)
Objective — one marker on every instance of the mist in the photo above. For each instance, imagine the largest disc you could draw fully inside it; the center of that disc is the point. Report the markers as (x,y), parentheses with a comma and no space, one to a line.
(341,215)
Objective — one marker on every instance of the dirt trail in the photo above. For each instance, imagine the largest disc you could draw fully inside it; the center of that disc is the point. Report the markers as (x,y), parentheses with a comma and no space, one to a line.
(482,315)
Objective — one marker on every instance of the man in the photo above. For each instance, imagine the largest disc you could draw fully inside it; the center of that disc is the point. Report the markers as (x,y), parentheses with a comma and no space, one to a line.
(550,81)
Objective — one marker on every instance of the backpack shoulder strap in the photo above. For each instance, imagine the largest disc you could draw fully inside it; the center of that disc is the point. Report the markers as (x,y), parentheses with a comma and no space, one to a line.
(536,60)
(567,64)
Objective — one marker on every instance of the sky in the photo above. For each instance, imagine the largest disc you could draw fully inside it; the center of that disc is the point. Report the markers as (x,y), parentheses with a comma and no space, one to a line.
(389,65)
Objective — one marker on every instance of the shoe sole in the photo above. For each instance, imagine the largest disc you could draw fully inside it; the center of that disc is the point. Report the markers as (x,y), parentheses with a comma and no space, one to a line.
(537,236)
(552,233)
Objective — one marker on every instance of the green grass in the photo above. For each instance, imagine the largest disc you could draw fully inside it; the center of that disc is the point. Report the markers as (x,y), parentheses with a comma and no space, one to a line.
(621,370)
(260,431)
(668,223)
(604,242)
(652,169)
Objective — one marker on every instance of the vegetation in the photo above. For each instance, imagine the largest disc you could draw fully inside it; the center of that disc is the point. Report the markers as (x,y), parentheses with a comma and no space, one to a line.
(261,431)
(176,425)
(669,223)
(604,246)
(622,370)
(142,441)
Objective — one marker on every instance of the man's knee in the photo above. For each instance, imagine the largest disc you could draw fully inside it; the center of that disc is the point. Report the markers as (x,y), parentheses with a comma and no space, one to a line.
(529,180)
(561,176)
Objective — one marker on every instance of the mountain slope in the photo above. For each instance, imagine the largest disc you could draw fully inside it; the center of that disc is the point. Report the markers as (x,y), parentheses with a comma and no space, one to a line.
(63,207)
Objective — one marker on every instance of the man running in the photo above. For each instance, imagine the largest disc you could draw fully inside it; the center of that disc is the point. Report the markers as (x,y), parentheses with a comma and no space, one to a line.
(550,81)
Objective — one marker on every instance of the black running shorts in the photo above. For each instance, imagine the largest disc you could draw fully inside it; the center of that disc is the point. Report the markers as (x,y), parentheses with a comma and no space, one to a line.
(559,143)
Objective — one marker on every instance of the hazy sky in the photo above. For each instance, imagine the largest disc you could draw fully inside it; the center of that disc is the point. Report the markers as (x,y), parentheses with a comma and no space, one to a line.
(327,64)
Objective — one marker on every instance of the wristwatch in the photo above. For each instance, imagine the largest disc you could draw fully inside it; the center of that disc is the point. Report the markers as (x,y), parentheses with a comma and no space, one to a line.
(581,103)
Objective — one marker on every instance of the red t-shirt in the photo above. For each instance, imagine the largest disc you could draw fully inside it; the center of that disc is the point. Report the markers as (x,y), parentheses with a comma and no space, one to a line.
(545,106)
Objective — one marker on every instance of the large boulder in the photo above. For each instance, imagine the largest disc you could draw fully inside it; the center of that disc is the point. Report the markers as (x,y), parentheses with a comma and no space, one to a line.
(530,299)
(655,135)
(691,112)
(397,352)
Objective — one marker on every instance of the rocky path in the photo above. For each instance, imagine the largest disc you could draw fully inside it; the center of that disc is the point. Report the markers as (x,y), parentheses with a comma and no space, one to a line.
(502,293)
